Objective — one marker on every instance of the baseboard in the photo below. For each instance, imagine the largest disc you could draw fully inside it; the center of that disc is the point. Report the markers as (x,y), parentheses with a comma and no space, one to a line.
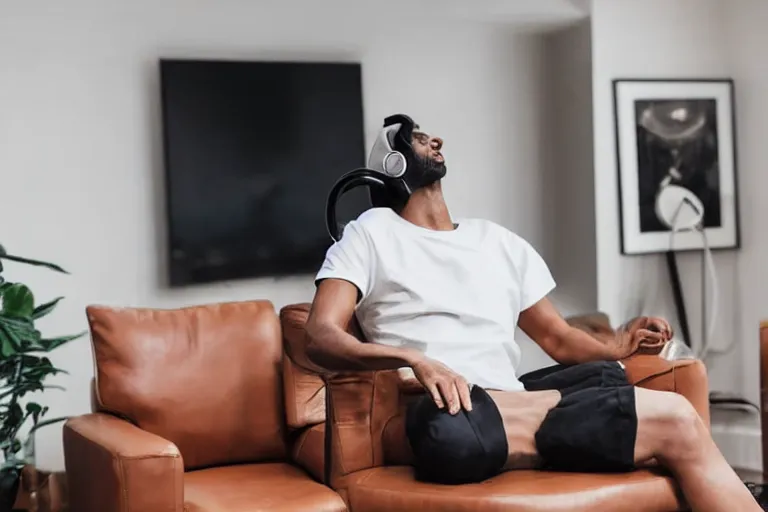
(741,445)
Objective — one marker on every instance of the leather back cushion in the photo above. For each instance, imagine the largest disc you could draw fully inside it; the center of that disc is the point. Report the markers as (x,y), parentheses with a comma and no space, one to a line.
(207,378)
(303,385)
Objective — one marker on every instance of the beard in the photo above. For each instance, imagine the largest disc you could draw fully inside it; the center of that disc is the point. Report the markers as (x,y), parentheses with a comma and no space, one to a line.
(424,171)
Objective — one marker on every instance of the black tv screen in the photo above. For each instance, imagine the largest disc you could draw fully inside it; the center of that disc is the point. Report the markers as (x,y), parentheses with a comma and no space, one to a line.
(251,151)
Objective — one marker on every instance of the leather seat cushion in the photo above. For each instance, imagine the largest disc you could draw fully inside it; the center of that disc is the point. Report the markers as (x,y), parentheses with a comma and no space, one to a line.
(255,487)
(393,488)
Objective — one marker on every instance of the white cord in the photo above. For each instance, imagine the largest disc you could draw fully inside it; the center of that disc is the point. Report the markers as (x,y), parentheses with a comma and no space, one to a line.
(707,261)
(715,294)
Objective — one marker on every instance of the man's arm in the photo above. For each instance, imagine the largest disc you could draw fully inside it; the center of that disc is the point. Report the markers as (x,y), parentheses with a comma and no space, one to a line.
(570,345)
(333,348)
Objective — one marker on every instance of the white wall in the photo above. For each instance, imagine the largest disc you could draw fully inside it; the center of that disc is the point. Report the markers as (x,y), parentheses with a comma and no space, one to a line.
(565,194)
(80,149)
(569,167)
(690,39)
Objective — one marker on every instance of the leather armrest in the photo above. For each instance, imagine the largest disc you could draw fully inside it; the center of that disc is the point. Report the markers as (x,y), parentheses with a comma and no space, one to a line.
(309,451)
(687,377)
(114,465)
(359,406)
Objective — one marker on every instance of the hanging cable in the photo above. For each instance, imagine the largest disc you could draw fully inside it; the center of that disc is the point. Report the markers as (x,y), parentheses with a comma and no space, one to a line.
(713,308)
(707,263)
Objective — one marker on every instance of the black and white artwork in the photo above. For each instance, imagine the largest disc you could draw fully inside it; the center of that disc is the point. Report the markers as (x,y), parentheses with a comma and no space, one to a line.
(676,133)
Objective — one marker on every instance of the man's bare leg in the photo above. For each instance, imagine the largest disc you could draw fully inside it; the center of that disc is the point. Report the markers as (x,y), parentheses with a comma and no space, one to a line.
(671,431)
(522,414)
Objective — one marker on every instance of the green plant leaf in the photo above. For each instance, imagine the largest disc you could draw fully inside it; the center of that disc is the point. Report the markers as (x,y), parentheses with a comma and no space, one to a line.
(18,301)
(36,263)
(45,423)
(11,446)
(43,309)
(21,332)
(15,414)
(34,368)
(35,410)
(52,343)
(28,388)
(9,341)
(6,346)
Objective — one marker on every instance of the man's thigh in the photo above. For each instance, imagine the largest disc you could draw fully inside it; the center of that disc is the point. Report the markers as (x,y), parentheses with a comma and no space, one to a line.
(523,414)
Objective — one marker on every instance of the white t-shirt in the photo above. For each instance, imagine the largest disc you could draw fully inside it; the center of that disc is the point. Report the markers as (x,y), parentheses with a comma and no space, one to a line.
(454,295)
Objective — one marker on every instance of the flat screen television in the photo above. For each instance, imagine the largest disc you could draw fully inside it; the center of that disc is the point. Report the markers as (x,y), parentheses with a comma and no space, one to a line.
(251,151)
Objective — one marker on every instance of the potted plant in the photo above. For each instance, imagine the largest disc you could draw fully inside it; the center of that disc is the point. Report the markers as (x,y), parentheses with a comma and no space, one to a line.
(24,368)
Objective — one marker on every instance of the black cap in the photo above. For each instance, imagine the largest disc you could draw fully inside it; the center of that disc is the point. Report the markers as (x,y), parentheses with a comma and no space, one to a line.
(456,449)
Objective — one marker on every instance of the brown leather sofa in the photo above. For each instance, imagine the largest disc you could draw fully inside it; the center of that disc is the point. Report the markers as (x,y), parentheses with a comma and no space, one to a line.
(189,416)
(199,409)
(369,456)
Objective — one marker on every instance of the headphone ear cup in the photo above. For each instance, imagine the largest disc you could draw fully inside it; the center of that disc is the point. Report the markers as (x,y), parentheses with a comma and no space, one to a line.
(395,164)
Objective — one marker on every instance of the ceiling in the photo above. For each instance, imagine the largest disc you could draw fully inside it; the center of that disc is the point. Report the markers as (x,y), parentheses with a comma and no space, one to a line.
(523,14)
(513,12)
(528,15)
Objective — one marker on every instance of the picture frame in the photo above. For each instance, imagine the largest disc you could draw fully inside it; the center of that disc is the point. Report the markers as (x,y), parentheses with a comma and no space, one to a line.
(676,132)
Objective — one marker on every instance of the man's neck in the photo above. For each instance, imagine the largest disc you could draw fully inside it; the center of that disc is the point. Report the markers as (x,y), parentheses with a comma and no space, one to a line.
(426,208)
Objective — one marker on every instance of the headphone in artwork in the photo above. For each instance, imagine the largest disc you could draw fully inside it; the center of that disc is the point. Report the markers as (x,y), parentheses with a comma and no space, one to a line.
(678,208)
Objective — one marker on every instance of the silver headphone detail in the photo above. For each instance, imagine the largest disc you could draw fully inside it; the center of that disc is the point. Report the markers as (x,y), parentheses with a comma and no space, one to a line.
(394,164)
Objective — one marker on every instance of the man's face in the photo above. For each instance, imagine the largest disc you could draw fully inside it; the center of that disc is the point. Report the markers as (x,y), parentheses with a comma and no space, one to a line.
(427,148)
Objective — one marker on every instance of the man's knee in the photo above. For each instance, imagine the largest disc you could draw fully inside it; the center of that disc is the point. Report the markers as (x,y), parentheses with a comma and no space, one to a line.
(679,428)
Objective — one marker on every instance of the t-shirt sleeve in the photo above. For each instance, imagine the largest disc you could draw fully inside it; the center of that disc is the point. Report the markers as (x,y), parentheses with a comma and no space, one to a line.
(349,259)
(536,279)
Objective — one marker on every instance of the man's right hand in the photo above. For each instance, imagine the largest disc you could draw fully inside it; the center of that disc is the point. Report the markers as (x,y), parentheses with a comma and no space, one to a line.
(446,386)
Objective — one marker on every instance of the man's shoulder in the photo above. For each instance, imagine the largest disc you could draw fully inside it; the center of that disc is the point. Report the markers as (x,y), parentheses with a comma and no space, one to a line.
(363,228)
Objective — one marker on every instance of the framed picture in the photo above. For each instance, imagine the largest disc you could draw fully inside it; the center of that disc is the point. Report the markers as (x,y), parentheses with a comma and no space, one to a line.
(676,132)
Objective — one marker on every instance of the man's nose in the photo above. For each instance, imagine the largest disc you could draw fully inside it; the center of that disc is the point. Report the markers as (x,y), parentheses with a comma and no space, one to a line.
(436,143)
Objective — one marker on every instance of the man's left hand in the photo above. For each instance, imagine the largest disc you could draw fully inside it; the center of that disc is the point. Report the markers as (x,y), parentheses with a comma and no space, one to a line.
(645,333)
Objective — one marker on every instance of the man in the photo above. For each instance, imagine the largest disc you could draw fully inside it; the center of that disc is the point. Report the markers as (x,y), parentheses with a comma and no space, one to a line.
(443,298)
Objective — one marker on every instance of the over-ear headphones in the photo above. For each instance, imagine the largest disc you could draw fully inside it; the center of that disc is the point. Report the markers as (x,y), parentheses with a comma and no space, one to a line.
(386,154)
(384,157)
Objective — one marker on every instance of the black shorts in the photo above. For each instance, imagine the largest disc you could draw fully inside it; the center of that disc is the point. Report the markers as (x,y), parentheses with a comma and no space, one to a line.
(592,429)
(594,426)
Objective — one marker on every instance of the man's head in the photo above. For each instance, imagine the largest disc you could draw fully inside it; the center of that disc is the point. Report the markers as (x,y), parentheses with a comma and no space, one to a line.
(425,162)
(421,158)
